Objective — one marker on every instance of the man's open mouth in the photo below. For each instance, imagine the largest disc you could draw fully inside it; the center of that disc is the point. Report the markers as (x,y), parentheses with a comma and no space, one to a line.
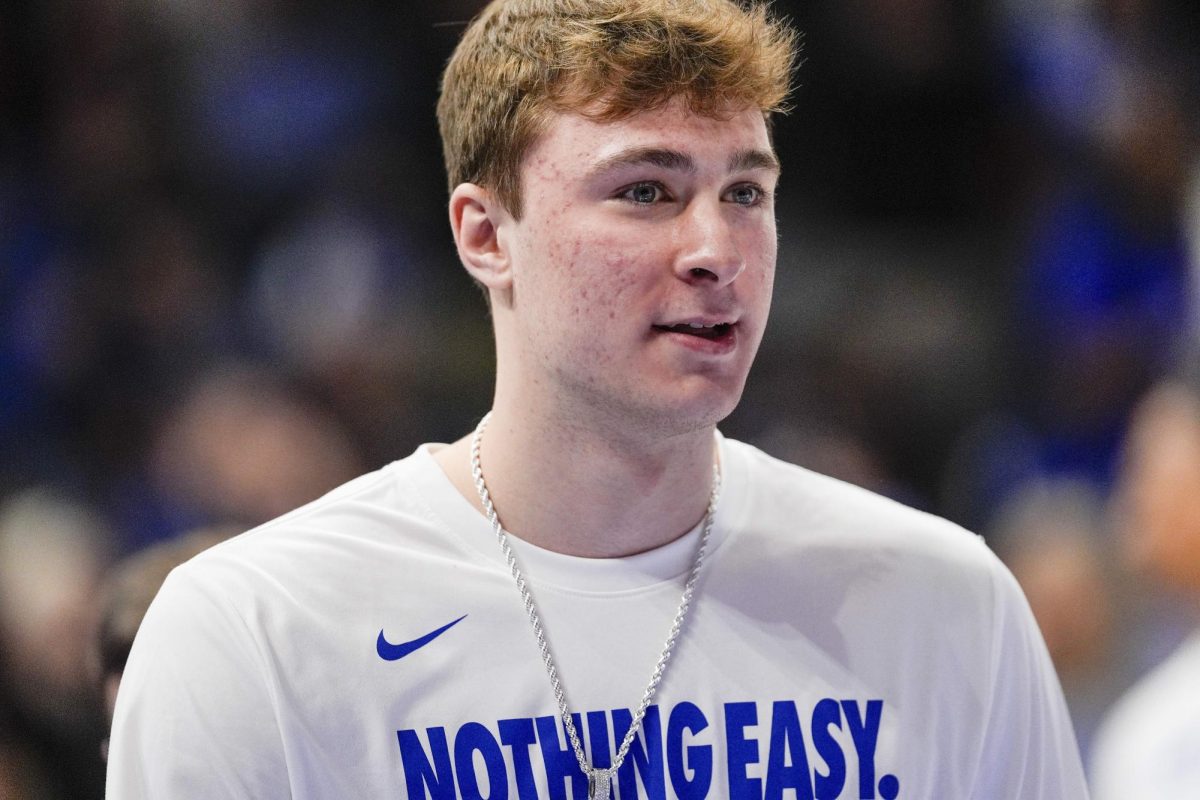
(711,332)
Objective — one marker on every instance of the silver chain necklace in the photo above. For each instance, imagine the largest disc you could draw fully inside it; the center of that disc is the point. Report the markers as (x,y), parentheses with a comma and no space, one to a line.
(599,779)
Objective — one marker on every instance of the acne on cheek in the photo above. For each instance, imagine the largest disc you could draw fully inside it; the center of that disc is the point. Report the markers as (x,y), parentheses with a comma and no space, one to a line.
(560,255)
(615,260)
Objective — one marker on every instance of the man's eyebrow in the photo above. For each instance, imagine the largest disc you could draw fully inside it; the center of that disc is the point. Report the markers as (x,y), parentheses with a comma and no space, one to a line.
(666,158)
(753,159)
(661,157)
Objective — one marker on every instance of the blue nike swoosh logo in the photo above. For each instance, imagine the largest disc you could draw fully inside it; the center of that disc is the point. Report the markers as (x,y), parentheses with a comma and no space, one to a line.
(392,652)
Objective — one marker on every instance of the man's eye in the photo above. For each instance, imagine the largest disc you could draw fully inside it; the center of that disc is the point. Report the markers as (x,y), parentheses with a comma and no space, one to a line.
(644,193)
(746,195)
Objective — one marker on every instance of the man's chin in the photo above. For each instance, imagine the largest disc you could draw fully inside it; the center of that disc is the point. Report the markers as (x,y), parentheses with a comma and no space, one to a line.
(681,413)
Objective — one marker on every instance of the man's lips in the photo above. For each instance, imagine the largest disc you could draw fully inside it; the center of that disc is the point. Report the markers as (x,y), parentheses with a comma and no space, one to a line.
(710,331)
(717,338)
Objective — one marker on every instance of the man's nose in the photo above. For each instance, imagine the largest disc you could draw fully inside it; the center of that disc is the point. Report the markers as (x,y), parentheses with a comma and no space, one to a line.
(708,251)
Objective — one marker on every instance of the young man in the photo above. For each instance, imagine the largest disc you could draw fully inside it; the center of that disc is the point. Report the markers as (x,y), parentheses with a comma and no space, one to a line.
(674,614)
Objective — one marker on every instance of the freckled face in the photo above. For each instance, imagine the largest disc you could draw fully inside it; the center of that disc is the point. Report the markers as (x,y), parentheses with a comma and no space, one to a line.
(643,264)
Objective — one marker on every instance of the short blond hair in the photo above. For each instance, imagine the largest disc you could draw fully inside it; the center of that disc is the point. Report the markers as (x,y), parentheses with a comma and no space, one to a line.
(519,60)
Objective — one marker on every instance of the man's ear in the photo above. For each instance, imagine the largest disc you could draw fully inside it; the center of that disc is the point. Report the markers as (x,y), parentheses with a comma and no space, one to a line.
(478,220)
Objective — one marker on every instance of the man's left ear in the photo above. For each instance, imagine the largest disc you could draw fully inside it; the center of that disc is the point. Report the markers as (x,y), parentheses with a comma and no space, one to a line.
(477,219)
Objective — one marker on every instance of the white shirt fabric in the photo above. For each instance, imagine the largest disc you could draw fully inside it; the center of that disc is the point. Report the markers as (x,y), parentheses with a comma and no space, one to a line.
(1149,745)
(840,645)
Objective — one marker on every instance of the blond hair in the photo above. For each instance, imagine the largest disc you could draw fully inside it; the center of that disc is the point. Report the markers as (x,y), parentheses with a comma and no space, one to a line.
(608,59)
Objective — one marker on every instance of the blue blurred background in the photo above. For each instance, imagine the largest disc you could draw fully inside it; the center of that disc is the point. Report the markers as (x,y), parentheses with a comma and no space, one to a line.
(227,285)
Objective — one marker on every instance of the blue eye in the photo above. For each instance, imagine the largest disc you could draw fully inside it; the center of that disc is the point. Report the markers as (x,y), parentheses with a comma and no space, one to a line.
(643,193)
(746,195)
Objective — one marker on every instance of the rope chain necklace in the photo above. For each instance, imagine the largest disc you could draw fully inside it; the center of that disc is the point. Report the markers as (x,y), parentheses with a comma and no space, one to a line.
(599,779)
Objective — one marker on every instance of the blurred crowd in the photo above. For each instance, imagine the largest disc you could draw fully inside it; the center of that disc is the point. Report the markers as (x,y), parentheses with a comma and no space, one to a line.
(227,285)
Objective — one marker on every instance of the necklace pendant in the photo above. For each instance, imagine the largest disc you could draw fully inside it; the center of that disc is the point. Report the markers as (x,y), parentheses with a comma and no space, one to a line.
(599,784)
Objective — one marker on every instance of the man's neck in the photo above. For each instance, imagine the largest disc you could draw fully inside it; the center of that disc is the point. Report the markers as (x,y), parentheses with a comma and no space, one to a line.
(581,491)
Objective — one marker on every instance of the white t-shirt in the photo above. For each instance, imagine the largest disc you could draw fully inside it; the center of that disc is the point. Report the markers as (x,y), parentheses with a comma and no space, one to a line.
(373,644)
(1149,745)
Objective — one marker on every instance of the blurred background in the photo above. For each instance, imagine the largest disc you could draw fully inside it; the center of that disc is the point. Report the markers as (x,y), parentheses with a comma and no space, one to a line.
(227,285)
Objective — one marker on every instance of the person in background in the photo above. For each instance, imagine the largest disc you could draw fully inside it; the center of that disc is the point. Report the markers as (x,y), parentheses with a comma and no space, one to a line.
(54,548)
(1149,744)
(1053,536)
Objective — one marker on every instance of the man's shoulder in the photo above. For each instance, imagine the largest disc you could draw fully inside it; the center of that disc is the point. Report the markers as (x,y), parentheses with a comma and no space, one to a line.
(818,510)
(825,550)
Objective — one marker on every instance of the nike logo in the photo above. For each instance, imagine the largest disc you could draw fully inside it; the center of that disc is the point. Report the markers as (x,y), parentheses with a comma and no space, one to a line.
(392,652)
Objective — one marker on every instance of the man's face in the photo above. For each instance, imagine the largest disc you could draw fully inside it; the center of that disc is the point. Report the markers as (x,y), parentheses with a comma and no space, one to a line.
(643,264)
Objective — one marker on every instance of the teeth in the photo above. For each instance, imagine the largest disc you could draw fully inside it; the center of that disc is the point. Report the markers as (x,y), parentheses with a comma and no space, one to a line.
(694,326)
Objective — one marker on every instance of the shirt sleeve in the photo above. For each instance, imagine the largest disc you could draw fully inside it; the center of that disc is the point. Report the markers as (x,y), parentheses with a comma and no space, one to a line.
(195,714)
(1029,748)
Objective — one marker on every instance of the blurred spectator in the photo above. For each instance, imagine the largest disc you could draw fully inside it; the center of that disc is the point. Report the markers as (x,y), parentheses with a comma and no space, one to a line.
(52,552)
(1052,536)
(1149,747)
(242,446)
